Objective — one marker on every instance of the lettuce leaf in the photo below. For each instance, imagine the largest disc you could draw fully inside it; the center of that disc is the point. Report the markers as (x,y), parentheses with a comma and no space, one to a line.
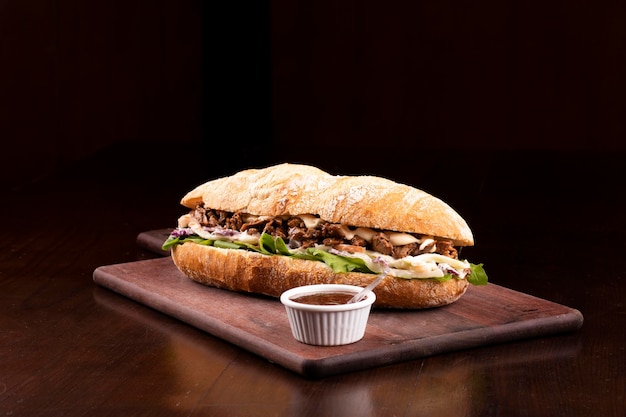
(269,245)
(446,277)
(478,276)
(338,263)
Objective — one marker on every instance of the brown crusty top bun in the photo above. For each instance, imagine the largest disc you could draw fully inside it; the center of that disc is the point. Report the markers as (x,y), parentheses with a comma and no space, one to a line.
(362,201)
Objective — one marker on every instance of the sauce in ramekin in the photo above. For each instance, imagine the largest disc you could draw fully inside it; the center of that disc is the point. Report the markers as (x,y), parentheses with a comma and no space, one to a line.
(324,298)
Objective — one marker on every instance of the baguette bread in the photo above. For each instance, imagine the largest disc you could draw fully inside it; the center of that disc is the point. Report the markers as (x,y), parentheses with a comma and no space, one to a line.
(365,201)
(287,190)
(252,272)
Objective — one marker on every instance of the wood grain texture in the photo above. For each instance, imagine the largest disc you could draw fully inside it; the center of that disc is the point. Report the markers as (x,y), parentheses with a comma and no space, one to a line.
(71,347)
(486,315)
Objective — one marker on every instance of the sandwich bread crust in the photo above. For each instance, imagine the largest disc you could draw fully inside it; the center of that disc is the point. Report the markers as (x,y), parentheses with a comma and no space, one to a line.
(252,272)
(359,201)
(363,201)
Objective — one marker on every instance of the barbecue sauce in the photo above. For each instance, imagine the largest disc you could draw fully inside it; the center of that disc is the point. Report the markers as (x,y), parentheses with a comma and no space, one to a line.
(324,298)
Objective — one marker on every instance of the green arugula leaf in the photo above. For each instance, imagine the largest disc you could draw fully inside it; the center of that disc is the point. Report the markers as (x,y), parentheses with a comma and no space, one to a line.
(272,246)
(281,247)
(224,244)
(269,245)
(169,242)
(248,246)
(172,241)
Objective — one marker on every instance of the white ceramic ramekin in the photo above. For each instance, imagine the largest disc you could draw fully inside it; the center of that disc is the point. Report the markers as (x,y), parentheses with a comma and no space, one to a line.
(327,325)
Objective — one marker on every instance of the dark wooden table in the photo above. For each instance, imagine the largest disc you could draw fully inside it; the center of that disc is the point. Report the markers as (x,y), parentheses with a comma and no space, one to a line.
(549,224)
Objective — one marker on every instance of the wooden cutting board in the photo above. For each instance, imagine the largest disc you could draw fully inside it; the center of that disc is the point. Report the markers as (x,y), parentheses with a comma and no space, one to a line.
(484,315)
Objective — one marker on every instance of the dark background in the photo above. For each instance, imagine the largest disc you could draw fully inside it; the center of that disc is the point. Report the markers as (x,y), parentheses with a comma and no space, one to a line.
(511,111)
(398,88)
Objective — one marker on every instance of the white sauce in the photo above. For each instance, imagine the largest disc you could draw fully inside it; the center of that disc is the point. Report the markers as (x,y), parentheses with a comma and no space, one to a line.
(401,239)
(310,221)
(426,265)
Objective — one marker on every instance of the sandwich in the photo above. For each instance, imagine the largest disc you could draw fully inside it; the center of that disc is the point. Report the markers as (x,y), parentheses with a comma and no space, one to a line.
(264,231)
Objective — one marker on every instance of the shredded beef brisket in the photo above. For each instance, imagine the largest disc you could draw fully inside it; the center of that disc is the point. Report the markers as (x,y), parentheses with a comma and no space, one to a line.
(295,233)
(275,227)
(382,244)
(234,222)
